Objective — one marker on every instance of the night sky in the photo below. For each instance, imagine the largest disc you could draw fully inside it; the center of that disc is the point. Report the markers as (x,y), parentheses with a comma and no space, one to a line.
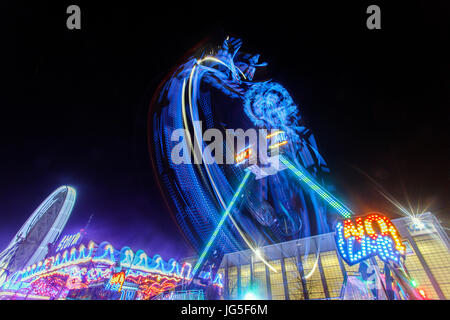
(74,104)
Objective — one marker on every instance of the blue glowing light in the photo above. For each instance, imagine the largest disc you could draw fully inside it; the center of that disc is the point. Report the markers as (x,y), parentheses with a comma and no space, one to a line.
(211,85)
(359,243)
(221,222)
(269,105)
(306,178)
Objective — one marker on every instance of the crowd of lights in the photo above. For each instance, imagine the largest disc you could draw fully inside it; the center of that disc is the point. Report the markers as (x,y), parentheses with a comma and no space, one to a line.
(386,244)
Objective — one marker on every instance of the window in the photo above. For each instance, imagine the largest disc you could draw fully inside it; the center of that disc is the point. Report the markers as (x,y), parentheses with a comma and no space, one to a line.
(294,281)
(437,257)
(311,272)
(245,279)
(276,281)
(259,275)
(232,283)
(417,272)
(332,272)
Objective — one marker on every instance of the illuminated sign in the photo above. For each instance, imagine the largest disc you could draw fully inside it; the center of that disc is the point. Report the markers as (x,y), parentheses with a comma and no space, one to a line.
(116,282)
(369,236)
(68,241)
(244,155)
(275,140)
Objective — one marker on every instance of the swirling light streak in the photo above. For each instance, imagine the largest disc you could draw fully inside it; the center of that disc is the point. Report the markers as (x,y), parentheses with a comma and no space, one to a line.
(313,269)
(198,211)
(279,144)
(196,136)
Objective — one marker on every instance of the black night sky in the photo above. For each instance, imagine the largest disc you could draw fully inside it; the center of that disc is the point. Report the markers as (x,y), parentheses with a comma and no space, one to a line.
(74,104)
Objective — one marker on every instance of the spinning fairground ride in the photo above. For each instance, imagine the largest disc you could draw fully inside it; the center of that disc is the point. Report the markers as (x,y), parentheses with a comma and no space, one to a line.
(240,169)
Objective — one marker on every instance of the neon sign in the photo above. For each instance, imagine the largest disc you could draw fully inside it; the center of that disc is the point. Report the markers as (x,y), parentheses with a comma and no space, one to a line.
(116,281)
(369,236)
(68,241)
(243,155)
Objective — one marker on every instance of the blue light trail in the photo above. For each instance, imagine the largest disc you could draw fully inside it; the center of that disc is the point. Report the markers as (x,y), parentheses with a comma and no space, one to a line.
(306,178)
(221,222)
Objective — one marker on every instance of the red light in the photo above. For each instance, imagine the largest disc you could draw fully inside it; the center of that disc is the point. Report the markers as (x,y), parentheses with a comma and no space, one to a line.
(364,226)
(246,154)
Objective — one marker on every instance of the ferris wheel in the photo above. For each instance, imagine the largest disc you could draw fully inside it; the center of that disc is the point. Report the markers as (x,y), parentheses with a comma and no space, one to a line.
(43,227)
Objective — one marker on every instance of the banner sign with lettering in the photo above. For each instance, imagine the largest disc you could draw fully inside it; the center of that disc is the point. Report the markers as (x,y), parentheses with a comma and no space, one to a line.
(364,237)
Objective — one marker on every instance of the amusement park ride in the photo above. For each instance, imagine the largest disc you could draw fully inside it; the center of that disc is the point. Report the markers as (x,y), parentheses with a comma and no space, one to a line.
(44,226)
(220,208)
(257,201)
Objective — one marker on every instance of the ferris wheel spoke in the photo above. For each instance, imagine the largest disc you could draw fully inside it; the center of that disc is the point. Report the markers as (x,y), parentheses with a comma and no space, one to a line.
(44,225)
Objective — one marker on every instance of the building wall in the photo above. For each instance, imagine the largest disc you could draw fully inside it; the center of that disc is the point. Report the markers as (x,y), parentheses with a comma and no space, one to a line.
(321,276)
